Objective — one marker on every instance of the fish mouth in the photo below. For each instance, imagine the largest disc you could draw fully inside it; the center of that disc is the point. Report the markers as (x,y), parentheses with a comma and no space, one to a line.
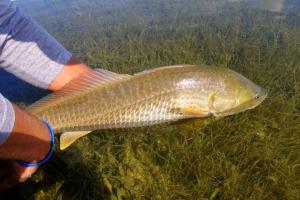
(245,106)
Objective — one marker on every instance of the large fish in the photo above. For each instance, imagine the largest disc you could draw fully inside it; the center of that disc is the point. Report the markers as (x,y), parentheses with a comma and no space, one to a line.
(105,100)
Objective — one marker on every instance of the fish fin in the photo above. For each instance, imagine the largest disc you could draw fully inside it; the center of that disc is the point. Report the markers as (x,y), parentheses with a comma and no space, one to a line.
(68,138)
(193,111)
(162,68)
(84,83)
(109,75)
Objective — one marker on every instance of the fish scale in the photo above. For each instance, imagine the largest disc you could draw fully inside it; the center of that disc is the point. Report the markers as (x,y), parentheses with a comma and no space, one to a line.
(142,113)
(105,100)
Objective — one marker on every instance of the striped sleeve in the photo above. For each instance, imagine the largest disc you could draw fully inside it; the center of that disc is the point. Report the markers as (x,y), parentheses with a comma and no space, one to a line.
(26,49)
(7,118)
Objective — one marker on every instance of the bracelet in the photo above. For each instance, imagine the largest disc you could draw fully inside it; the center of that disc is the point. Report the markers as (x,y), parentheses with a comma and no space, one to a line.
(48,156)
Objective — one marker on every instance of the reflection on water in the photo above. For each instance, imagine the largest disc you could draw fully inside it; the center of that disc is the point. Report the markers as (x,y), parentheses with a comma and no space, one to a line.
(270,5)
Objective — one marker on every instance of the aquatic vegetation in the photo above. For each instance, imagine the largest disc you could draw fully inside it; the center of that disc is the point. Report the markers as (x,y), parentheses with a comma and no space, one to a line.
(252,155)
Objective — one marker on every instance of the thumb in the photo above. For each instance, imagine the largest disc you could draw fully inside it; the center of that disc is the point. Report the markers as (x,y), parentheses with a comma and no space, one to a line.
(15,174)
(22,173)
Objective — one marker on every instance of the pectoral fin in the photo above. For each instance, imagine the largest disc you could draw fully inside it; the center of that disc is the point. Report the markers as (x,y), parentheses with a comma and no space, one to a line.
(68,138)
(193,111)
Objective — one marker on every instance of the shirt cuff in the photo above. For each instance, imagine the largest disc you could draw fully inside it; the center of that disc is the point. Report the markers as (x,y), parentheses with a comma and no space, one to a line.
(29,52)
(7,119)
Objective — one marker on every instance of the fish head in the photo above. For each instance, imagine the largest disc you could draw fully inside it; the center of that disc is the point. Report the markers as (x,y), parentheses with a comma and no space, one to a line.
(236,95)
(216,91)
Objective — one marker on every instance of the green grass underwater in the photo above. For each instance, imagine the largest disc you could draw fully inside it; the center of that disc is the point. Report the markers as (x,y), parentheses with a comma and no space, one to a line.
(252,155)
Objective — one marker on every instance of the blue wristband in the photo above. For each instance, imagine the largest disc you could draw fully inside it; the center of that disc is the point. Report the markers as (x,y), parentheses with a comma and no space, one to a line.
(48,156)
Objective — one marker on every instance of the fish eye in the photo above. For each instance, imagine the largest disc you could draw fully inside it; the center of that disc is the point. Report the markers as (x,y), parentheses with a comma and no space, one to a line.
(257,97)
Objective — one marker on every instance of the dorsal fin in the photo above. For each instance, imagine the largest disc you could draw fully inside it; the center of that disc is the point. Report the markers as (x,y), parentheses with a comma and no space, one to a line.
(162,68)
(84,83)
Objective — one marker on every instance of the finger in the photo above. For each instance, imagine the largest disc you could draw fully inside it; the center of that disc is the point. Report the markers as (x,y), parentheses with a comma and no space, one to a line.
(23,173)
(13,174)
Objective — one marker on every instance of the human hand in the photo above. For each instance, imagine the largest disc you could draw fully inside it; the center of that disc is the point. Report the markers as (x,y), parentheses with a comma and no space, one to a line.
(30,142)
(11,174)
(30,138)
(71,71)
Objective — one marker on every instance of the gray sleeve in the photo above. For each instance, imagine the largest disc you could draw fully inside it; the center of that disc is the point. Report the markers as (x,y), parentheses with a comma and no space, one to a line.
(7,119)
(26,49)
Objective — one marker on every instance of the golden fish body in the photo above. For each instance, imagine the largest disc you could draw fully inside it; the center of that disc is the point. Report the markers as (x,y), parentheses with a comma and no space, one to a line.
(152,97)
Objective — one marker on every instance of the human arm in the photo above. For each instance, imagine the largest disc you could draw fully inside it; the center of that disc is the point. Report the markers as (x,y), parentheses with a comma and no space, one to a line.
(27,138)
(31,54)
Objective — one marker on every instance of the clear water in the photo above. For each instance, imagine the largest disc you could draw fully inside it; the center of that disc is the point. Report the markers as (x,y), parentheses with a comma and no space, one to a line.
(252,155)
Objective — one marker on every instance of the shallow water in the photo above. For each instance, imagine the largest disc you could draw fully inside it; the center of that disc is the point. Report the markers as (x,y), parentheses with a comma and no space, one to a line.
(252,155)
